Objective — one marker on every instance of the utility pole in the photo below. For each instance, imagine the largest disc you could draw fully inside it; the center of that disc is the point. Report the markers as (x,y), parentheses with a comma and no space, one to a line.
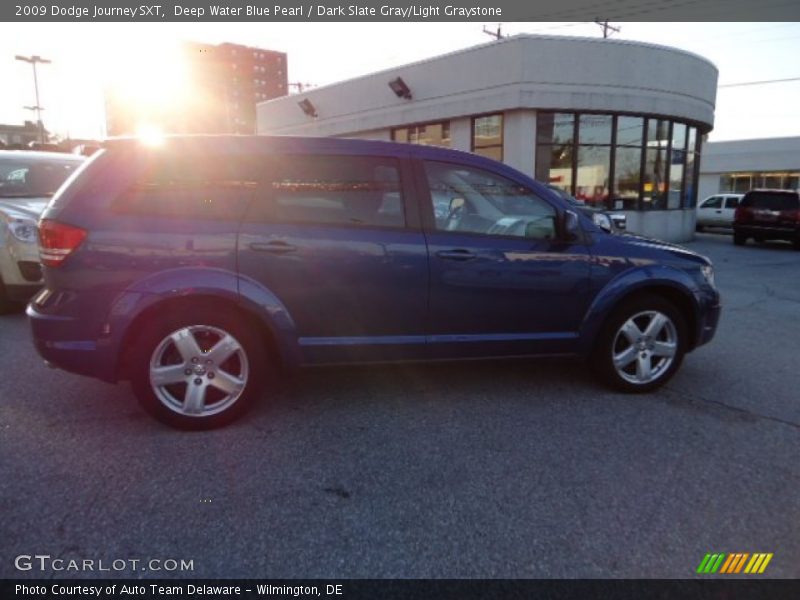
(301,86)
(498,35)
(607,27)
(34,60)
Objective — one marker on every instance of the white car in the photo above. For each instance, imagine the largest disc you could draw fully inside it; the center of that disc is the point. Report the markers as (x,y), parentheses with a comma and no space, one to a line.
(717,210)
(27,180)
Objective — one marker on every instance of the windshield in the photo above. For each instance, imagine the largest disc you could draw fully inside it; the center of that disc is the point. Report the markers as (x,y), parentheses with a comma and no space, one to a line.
(22,177)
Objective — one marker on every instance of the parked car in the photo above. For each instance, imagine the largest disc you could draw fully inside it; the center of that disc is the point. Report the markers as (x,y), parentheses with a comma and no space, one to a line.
(717,211)
(768,215)
(199,269)
(609,221)
(27,181)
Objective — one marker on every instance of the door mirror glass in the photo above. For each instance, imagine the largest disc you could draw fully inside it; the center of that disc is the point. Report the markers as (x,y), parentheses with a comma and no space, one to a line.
(571,224)
(603,221)
(456,204)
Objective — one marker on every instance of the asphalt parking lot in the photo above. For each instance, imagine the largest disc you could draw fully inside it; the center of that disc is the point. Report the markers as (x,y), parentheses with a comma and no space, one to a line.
(513,469)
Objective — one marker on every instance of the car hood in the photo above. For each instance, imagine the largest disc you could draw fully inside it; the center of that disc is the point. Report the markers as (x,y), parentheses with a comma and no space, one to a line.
(675,250)
(31,208)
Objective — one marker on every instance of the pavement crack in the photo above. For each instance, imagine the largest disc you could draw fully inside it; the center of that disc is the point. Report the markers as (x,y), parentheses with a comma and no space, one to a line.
(743,413)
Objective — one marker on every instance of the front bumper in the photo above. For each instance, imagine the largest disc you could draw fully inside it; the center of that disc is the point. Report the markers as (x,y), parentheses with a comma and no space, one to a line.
(708,324)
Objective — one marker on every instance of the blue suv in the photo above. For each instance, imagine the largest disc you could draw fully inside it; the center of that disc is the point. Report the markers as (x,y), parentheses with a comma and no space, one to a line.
(197,266)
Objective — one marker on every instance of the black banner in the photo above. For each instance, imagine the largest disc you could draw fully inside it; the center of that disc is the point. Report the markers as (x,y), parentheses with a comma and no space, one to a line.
(374,589)
(398,10)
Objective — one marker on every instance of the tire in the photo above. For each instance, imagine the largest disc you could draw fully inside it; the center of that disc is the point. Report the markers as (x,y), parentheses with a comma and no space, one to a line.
(699,228)
(739,239)
(796,242)
(198,390)
(758,239)
(644,360)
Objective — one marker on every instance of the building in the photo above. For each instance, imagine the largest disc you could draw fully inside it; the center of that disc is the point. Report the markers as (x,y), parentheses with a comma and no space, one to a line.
(619,124)
(741,165)
(225,83)
(20,136)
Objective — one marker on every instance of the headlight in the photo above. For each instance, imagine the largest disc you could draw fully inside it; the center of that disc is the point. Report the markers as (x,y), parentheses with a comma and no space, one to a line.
(25,230)
(708,274)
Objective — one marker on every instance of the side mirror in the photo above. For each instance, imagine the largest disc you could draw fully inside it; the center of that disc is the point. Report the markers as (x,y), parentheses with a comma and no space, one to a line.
(456,204)
(603,221)
(571,224)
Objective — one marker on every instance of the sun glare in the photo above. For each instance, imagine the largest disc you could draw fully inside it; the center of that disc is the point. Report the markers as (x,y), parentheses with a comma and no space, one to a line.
(150,135)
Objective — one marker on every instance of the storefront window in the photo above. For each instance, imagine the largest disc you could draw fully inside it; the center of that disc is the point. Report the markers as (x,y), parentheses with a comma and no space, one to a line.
(426,134)
(627,179)
(594,167)
(621,162)
(654,181)
(629,131)
(555,128)
(487,136)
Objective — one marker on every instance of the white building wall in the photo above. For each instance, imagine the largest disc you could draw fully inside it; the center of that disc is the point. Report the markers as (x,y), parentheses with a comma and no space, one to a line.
(519,140)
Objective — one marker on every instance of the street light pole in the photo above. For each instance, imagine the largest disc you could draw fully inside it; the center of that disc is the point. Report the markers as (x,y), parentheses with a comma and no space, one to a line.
(34,60)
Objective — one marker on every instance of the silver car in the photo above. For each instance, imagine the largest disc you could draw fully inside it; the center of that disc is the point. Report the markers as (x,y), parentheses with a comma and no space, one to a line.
(27,180)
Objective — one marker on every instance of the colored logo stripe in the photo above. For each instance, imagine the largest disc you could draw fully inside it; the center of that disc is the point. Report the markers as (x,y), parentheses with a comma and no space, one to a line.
(734,563)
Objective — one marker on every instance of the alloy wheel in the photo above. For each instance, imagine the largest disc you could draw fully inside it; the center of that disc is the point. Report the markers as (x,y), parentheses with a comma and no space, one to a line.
(199,371)
(644,347)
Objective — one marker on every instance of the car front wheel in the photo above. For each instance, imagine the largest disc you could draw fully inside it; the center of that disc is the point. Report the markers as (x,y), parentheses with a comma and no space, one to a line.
(739,239)
(642,345)
(198,370)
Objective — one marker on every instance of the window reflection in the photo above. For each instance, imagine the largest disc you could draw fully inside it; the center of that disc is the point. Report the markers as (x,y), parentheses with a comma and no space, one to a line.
(594,166)
(487,136)
(653,167)
(627,178)
(425,134)
(594,129)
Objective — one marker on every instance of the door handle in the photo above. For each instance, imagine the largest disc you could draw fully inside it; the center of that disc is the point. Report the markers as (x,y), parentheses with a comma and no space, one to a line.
(458,254)
(719,212)
(273,247)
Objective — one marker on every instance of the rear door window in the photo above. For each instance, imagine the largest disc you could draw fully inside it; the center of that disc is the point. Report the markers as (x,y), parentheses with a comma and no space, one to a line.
(772,200)
(359,191)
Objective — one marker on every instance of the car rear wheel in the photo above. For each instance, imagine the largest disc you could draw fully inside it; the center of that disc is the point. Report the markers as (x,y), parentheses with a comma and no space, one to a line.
(198,370)
(642,345)
(739,239)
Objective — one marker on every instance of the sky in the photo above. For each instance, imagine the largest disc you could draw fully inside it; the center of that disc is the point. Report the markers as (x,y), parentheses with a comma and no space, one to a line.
(86,56)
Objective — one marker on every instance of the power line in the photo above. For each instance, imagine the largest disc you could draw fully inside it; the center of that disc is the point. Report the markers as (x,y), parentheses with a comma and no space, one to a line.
(766,81)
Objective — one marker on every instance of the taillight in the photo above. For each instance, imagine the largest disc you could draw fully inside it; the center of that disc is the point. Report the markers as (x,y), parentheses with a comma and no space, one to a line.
(741,214)
(57,241)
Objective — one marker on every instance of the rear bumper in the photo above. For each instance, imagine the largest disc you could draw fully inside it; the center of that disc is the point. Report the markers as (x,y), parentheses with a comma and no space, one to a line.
(767,231)
(58,341)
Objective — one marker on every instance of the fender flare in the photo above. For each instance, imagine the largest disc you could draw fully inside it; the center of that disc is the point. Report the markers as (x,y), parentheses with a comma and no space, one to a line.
(221,284)
(630,282)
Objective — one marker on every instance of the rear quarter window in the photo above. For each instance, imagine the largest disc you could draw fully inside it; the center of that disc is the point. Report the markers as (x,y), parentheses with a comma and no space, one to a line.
(205,186)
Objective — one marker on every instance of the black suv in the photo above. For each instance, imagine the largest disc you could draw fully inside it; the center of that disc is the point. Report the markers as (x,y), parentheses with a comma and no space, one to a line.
(768,215)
